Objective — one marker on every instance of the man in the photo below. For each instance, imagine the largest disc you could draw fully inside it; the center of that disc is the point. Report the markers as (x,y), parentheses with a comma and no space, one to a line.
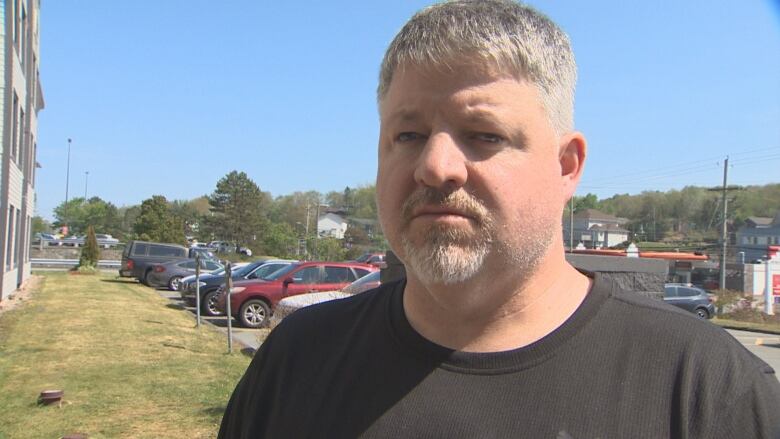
(493,333)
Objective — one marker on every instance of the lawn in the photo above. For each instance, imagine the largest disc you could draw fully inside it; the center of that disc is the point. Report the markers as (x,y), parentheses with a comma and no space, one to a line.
(131,363)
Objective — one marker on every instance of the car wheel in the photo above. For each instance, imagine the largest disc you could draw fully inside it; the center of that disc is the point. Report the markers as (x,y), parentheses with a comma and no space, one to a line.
(175,283)
(208,304)
(254,314)
(702,313)
(145,280)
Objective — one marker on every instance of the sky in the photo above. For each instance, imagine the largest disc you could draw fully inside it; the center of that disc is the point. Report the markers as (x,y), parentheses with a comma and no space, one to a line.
(167,97)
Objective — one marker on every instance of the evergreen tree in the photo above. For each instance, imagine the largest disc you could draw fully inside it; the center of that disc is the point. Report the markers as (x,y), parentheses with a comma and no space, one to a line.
(156,222)
(238,210)
(90,253)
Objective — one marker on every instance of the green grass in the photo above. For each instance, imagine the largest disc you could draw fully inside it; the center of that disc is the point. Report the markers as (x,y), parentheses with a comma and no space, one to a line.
(131,365)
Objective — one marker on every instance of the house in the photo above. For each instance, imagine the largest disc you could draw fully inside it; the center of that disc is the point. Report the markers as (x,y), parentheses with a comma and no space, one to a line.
(22,100)
(331,225)
(756,235)
(595,229)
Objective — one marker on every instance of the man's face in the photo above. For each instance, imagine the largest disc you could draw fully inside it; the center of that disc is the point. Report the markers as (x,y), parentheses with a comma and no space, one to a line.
(469,174)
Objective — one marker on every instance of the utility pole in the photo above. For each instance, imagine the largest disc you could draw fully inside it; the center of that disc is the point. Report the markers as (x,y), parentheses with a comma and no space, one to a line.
(724,232)
(86,184)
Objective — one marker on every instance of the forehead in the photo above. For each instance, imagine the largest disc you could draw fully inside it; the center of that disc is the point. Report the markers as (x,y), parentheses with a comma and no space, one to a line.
(474,90)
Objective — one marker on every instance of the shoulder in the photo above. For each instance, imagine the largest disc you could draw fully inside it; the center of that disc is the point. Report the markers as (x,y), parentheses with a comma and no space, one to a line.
(699,347)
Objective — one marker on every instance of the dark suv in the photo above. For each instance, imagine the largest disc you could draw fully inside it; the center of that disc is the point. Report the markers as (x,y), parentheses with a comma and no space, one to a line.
(252,301)
(140,257)
(690,298)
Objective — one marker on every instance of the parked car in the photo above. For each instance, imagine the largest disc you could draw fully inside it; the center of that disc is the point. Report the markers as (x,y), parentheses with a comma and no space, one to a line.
(46,239)
(171,273)
(210,283)
(690,298)
(205,253)
(365,283)
(105,240)
(139,257)
(72,241)
(222,247)
(373,258)
(253,301)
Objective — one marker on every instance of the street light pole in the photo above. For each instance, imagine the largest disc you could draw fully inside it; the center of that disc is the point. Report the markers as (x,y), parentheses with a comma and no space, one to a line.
(67,174)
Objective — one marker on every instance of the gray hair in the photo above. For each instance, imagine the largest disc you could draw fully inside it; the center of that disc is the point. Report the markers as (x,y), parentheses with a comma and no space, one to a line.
(499,35)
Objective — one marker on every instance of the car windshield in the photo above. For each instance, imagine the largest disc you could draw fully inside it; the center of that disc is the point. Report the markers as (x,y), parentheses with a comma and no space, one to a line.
(363,257)
(242,271)
(371,277)
(280,272)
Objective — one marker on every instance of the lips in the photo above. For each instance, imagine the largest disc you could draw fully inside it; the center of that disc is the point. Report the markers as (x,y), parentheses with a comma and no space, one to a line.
(440,211)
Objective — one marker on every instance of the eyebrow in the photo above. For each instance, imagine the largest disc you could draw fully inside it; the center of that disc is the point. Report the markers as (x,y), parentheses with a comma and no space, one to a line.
(404,115)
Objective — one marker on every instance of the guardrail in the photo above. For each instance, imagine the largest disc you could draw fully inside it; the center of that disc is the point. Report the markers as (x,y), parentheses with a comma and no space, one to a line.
(72,243)
(70,263)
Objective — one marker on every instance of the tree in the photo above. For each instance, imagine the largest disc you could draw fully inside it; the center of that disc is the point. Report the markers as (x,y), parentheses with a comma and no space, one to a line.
(90,253)
(328,249)
(190,213)
(79,213)
(589,201)
(156,222)
(279,240)
(40,225)
(238,209)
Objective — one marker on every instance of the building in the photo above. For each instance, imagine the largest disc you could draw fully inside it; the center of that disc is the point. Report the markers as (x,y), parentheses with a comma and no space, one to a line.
(755,237)
(22,100)
(331,225)
(595,229)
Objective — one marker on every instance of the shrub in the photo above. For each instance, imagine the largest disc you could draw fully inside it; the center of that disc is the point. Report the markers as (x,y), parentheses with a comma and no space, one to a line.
(90,253)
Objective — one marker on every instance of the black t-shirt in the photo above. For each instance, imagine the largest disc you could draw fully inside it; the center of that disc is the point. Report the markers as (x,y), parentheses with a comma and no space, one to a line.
(620,367)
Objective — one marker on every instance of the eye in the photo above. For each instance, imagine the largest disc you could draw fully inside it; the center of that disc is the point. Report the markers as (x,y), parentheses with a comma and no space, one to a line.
(487,137)
(408,136)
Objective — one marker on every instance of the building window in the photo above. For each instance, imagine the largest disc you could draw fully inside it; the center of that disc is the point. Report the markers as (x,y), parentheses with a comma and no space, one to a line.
(9,237)
(27,238)
(14,127)
(20,150)
(23,36)
(17,238)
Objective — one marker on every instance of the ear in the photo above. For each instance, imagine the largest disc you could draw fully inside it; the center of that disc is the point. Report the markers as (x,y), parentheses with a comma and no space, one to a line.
(571,155)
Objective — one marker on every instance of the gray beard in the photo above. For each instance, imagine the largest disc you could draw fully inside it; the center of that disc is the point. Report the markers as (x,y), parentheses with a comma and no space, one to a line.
(446,257)
(449,256)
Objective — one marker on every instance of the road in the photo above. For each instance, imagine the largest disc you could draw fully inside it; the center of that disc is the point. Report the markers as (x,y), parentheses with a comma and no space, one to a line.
(765,346)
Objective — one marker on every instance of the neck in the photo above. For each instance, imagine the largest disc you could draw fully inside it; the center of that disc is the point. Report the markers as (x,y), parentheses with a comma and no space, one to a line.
(498,309)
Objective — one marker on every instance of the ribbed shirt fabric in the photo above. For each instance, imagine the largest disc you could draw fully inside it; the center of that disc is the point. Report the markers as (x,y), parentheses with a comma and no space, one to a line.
(621,366)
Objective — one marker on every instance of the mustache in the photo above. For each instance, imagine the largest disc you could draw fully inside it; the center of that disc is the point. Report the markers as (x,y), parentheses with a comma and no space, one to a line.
(459,200)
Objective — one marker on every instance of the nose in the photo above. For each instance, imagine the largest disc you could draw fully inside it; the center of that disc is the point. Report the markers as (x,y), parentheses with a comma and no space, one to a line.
(441,163)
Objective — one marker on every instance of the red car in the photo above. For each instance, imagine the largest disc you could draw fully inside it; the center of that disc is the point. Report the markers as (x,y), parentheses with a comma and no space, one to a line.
(252,301)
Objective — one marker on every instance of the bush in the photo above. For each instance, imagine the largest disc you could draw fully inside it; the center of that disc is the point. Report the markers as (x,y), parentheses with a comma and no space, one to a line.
(90,253)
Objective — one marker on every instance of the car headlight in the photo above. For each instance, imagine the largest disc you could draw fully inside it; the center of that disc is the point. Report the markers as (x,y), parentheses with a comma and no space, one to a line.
(201,284)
